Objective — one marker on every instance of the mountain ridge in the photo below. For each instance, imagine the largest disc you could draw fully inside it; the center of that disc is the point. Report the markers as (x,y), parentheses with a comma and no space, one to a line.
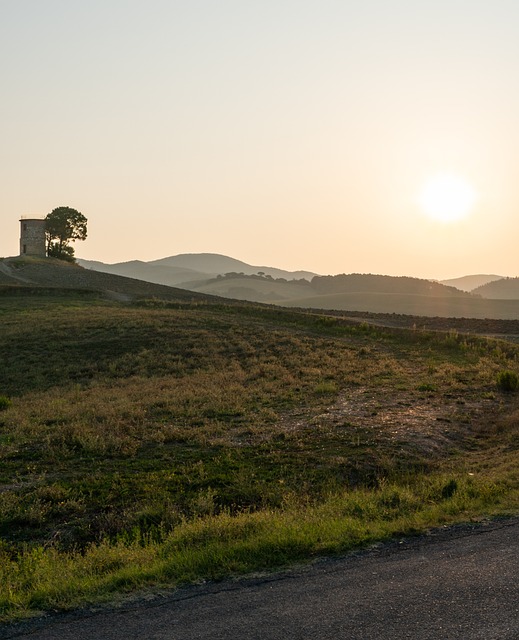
(471,282)
(435,300)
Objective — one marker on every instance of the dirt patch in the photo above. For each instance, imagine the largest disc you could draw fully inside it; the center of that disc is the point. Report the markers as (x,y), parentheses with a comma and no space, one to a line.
(426,423)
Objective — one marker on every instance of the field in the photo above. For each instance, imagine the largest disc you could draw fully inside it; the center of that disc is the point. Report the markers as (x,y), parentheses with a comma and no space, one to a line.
(153,443)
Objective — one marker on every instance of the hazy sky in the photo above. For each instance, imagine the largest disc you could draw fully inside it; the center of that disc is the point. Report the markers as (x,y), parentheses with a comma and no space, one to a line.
(290,133)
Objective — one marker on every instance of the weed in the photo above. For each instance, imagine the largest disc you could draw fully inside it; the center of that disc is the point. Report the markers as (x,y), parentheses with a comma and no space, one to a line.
(426,387)
(5,403)
(325,387)
(508,381)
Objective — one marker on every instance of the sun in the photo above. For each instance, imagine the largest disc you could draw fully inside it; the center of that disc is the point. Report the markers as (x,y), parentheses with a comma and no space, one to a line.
(447,197)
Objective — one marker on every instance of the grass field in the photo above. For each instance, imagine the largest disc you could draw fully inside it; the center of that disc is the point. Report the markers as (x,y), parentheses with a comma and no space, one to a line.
(157,443)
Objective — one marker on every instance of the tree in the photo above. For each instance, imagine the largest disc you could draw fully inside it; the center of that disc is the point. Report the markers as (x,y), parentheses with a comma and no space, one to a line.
(62,226)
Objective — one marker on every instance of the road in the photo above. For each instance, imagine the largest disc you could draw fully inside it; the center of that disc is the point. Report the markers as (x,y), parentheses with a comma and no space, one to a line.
(455,583)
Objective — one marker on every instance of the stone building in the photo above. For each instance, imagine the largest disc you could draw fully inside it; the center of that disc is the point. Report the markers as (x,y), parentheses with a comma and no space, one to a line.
(32,237)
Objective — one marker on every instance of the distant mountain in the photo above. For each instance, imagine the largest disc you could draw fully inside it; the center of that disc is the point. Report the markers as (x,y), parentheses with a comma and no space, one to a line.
(217,264)
(189,270)
(503,289)
(353,291)
(254,288)
(370,283)
(469,283)
(227,277)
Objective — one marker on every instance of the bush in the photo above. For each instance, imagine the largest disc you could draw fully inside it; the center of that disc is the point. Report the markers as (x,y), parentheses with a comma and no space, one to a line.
(508,381)
(4,403)
(324,388)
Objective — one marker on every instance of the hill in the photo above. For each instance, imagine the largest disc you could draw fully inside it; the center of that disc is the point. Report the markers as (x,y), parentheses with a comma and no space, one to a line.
(217,264)
(469,283)
(504,289)
(348,292)
(189,270)
(253,288)
(49,272)
(170,276)
(148,444)
(334,292)
(371,283)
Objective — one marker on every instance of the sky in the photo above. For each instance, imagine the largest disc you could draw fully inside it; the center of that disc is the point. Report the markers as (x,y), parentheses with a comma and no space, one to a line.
(290,133)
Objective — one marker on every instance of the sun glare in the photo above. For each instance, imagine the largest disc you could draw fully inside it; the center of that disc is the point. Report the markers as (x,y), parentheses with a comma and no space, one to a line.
(447,198)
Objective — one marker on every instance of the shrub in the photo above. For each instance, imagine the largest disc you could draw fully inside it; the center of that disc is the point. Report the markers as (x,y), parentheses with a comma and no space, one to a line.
(4,403)
(426,387)
(508,381)
(325,387)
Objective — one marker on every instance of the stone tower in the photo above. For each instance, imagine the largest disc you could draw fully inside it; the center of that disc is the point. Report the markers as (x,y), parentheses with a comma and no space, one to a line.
(32,237)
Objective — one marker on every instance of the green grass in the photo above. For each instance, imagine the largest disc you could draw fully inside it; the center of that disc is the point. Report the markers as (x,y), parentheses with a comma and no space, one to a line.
(508,381)
(165,442)
(217,546)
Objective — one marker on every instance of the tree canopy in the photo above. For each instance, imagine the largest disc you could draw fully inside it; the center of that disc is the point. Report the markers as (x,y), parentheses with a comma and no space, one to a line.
(63,225)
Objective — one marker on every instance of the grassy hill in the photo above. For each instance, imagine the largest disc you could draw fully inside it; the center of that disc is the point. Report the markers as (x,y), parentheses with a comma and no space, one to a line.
(52,273)
(154,441)
(170,276)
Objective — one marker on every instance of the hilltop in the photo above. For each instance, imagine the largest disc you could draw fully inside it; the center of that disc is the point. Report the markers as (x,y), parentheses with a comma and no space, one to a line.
(189,270)
(57,274)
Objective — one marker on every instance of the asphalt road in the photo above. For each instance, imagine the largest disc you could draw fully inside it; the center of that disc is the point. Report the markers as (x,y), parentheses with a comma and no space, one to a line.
(457,583)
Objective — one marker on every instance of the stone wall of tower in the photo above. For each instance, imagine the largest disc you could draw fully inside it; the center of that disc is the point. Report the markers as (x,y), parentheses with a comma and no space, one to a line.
(32,237)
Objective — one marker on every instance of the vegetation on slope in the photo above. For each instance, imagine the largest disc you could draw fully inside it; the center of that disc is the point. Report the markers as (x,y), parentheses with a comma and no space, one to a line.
(503,289)
(161,442)
(370,283)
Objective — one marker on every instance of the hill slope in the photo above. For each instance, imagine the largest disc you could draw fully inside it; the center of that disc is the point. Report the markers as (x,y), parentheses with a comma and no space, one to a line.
(215,264)
(146,445)
(189,270)
(48,272)
(370,283)
(170,276)
(504,289)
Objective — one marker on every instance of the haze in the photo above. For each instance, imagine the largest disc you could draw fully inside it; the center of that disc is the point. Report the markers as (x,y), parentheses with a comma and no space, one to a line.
(294,134)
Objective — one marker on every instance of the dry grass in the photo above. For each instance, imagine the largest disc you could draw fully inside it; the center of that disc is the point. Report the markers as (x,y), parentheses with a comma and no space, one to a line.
(129,424)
